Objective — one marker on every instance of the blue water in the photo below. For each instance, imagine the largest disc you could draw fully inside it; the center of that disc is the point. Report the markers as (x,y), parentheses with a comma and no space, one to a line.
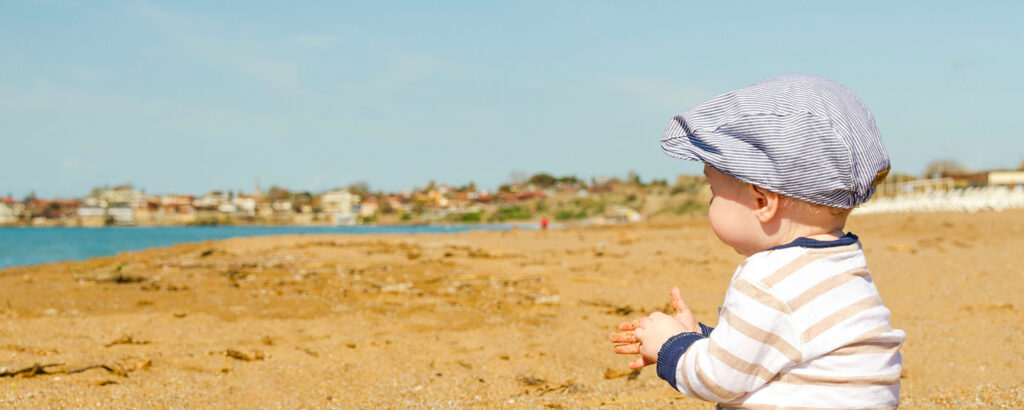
(31,246)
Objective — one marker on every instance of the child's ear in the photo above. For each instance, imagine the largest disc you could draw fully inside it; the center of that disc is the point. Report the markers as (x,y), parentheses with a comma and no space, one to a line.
(766,203)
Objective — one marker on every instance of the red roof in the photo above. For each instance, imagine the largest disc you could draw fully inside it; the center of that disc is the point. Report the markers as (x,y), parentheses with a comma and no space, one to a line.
(66,202)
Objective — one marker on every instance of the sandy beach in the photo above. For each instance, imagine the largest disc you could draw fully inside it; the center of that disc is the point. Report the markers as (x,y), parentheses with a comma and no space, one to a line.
(479,319)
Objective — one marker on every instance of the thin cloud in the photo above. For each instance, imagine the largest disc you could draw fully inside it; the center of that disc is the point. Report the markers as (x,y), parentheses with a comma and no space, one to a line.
(70,164)
(405,69)
(83,74)
(960,64)
(316,42)
(199,35)
(657,91)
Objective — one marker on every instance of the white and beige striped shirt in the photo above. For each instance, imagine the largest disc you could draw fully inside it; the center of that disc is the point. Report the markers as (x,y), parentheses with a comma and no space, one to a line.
(800,327)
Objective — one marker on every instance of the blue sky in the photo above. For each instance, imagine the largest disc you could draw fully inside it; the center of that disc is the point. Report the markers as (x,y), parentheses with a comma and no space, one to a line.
(189,96)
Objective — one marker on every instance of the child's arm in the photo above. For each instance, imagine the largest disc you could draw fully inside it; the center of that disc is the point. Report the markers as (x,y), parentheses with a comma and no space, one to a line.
(753,341)
(654,330)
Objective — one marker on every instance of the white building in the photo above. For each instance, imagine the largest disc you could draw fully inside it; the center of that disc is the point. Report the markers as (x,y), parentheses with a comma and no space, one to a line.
(87,211)
(92,207)
(10,211)
(212,200)
(282,207)
(122,214)
(122,195)
(227,208)
(339,205)
(244,205)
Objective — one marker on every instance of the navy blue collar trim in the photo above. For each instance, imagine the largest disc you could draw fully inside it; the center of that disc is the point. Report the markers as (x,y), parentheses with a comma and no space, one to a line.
(848,239)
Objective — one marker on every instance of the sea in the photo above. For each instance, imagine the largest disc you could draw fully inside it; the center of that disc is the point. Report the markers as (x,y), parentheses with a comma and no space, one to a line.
(20,246)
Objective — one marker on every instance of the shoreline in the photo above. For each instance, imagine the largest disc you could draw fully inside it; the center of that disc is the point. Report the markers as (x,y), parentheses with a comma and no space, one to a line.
(244,231)
(454,224)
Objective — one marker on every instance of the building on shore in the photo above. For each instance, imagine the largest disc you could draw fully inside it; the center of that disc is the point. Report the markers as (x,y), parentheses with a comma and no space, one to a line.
(244,205)
(210,202)
(1006,178)
(123,195)
(282,207)
(92,212)
(11,211)
(368,207)
(174,204)
(119,205)
(339,206)
(121,214)
(56,212)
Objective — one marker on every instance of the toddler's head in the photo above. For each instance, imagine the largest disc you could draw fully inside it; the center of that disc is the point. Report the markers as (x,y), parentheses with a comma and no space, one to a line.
(787,157)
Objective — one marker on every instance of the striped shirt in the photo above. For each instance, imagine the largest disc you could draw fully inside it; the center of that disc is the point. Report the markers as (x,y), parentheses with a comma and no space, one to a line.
(802,325)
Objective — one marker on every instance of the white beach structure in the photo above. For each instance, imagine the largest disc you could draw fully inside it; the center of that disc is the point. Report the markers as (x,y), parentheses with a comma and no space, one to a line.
(1006,178)
(990,198)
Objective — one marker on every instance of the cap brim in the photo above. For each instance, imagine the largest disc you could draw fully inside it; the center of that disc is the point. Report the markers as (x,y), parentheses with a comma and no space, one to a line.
(680,147)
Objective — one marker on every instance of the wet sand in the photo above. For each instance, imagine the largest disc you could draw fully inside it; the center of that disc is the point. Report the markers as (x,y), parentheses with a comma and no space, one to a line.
(479,319)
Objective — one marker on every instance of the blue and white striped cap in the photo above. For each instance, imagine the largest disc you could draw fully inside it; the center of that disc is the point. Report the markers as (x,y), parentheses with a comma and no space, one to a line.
(799,135)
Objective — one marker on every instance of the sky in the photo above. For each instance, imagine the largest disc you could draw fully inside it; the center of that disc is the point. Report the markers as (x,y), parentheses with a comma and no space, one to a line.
(189,96)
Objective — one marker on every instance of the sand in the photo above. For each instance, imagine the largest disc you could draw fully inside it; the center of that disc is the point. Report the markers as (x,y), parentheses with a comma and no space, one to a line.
(479,319)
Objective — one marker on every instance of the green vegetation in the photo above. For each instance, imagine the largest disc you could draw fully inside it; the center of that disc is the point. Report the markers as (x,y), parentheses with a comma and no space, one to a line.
(689,206)
(212,220)
(542,180)
(692,207)
(471,217)
(565,214)
(542,206)
(590,206)
(511,213)
(465,217)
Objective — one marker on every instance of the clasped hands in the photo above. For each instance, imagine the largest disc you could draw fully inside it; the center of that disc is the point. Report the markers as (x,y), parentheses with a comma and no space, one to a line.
(644,336)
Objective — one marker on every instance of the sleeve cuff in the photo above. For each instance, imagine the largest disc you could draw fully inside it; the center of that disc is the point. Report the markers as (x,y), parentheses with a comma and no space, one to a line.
(705,329)
(671,351)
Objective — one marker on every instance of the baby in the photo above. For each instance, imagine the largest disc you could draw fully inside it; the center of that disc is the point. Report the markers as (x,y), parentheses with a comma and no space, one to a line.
(802,323)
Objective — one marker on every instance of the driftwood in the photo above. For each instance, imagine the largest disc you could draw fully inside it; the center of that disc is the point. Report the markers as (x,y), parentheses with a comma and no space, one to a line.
(115,370)
(245,355)
(31,371)
(127,340)
(40,370)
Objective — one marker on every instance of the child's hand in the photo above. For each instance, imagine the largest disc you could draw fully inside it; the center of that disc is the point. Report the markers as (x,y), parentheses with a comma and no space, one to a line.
(646,335)
(683,314)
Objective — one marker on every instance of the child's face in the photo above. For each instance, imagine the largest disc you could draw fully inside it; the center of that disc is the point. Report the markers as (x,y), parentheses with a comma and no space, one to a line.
(732,213)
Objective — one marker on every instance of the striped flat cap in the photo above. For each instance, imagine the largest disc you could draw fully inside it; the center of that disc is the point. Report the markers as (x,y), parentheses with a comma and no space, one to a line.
(799,135)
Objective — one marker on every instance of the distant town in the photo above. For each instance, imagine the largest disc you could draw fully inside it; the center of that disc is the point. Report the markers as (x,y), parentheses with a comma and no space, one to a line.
(538,197)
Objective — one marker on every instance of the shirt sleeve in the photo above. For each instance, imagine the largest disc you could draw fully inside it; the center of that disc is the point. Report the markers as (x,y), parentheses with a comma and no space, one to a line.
(753,341)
